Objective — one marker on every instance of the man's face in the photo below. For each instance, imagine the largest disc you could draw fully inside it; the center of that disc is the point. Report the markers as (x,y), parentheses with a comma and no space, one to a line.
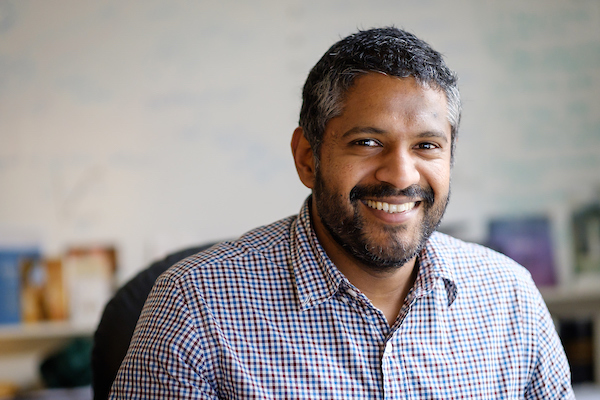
(383,180)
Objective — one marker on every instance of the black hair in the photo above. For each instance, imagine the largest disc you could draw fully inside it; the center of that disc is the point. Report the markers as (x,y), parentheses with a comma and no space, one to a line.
(390,51)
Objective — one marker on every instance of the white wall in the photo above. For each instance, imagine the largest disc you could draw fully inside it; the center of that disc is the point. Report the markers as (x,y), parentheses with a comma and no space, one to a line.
(158,124)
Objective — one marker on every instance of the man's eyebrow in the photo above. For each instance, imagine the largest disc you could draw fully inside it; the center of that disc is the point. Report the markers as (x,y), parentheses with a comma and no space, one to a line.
(363,129)
(433,134)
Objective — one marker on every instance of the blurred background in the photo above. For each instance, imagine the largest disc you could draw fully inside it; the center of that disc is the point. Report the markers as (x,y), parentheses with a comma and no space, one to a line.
(145,127)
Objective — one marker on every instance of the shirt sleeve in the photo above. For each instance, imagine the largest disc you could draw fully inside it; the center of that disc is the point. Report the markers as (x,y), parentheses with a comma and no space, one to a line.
(551,377)
(165,358)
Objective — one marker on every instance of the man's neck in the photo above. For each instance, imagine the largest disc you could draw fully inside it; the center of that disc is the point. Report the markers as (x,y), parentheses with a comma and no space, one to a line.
(387,290)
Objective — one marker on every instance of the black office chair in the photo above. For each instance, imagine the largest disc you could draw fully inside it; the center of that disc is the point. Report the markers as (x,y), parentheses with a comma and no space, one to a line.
(119,318)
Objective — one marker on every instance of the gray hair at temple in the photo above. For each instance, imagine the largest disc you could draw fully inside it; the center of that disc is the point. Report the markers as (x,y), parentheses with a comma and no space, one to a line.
(390,51)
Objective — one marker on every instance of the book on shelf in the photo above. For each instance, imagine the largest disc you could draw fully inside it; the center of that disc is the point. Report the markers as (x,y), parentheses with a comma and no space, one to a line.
(43,292)
(577,337)
(89,278)
(13,260)
(74,287)
(586,239)
(528,241)
(56,302)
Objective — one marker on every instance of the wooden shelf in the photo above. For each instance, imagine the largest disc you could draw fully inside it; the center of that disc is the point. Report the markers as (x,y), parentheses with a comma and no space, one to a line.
(44,330)
(572,301)
(24,346)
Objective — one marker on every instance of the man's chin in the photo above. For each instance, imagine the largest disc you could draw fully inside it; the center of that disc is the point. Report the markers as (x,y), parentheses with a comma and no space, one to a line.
(393,247)
(386,264)
(393,260)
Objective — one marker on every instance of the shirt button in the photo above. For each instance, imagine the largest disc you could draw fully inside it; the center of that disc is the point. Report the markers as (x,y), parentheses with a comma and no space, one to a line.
(389,347)
(351,292)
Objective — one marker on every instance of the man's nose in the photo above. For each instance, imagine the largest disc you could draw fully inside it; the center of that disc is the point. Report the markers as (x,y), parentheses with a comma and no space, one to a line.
(398,168)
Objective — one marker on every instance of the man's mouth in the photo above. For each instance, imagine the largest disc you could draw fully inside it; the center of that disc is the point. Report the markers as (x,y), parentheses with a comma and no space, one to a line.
(391,208)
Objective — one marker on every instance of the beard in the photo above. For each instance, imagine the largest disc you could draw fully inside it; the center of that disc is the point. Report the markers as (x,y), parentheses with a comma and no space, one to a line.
(391,246)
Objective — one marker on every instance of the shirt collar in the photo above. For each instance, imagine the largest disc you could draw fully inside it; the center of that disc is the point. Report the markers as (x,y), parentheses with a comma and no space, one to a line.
(317,278)
(432,266)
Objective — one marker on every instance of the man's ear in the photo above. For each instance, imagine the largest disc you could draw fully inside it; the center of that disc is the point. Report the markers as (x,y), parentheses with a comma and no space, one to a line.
(303,158)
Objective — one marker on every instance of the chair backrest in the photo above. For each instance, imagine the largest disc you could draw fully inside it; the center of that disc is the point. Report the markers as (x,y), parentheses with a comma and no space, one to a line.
(119,318)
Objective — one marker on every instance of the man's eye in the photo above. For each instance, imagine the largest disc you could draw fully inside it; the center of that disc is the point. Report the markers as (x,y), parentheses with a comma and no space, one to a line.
(427,146)
(367,142)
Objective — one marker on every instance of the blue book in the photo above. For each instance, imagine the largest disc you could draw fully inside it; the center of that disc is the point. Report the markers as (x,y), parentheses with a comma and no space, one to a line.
(11,261)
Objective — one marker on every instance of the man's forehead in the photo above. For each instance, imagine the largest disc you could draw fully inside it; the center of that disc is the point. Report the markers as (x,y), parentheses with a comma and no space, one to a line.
(378,95)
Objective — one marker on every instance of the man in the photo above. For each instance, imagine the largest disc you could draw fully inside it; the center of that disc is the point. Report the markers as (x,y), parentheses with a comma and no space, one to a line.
(357,296)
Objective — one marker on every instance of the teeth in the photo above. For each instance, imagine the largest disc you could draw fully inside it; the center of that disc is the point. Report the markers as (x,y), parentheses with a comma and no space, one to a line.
(391,208)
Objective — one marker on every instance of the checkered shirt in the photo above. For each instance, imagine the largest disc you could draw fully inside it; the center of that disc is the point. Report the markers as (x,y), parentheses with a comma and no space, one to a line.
(270,317)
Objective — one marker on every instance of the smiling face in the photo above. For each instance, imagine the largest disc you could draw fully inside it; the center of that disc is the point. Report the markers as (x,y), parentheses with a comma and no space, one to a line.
(383,178)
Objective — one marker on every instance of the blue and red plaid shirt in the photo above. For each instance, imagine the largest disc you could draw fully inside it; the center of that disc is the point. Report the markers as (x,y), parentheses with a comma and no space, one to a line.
(270,317)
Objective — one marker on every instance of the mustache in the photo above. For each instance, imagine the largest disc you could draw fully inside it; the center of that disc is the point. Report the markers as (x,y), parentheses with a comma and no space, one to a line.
(414,192)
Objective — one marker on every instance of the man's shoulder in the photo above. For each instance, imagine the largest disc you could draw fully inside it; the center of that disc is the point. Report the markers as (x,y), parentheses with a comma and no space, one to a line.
(477,264)
(265,245)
